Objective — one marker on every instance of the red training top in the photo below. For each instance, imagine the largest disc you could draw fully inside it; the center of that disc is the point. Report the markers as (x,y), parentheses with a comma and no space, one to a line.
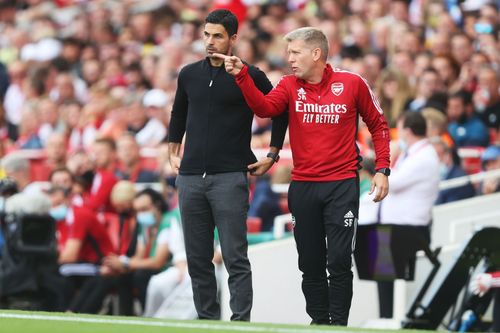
(323,121)
(80,224)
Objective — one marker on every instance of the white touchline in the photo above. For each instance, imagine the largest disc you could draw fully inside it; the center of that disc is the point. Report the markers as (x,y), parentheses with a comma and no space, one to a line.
(213,327)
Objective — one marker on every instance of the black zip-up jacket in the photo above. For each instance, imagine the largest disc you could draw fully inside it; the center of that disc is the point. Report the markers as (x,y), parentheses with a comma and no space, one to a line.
(210,108)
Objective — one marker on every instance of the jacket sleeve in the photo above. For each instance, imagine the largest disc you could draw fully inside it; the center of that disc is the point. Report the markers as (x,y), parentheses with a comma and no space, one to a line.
(372,114)
(280,123)
(267,106)
(178,118)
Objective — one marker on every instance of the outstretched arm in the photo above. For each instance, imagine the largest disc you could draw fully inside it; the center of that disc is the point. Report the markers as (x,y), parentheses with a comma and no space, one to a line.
(265,106)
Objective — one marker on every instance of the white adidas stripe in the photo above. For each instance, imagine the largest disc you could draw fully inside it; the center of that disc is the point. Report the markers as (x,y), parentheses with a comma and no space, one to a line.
(372,95)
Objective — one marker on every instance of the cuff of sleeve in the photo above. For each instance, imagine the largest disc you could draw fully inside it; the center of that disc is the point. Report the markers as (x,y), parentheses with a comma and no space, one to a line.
(243,72)
(495,280)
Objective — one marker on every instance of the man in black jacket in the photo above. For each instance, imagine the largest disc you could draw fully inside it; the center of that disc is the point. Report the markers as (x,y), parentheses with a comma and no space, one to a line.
(213,188)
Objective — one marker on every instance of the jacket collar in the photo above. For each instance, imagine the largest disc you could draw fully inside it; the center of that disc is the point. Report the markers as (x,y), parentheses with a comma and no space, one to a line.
(327,75)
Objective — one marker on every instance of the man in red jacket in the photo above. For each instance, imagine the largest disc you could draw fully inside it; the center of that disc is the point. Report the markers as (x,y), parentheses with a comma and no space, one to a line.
(324,105)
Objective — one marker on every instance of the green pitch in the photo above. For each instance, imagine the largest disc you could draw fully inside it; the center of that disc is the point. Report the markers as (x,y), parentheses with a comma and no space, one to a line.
(44,322)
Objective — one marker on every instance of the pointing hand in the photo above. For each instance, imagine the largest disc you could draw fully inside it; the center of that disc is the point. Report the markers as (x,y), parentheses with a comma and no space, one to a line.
(232,64)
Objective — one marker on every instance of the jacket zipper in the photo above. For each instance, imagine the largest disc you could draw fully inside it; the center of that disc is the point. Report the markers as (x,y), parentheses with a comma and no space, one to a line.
(212,78)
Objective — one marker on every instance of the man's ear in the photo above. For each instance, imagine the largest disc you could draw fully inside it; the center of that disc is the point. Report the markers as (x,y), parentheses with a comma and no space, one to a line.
(316,54)
(232,42)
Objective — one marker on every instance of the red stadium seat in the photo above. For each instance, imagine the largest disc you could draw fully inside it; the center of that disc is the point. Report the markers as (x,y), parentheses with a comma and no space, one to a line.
(254,224)
(471,159)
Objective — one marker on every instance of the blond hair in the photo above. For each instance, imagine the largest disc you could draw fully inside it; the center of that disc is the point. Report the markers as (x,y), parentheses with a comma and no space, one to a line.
(312,37)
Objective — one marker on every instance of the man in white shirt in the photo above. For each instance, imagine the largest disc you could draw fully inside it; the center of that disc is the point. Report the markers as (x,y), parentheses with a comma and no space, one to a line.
(413,191)
(414,178)
(153,130)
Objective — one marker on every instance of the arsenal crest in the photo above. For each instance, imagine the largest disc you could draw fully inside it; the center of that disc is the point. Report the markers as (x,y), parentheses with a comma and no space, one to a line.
(337,88)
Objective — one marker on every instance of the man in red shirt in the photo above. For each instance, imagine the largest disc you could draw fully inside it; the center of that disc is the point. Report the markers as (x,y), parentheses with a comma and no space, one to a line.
(324,105)
(98,198)
(81,238)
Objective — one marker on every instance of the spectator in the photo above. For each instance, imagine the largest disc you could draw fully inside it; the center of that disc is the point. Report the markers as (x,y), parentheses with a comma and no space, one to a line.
(413,191)
(487,97)
(428,84)
(81,237)
(449,168)
(148,130)
(448,70)
(174,282)
(56,151)
(393,91)
(49,120)
(63,178)
(490,159)
(122,199)
(15,96)
(28,130)
(437,125)
(482,283)
(464,126)
(17,167)
(153,243)
(122,230)
(130,165)
(155,101)
(98,197)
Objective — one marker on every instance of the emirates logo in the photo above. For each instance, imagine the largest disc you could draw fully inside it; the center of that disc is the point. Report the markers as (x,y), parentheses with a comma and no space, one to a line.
(337,88)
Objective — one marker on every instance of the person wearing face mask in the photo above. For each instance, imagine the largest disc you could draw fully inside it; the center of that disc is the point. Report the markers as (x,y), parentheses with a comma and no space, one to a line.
(121,227)
(154,244)
(82,243)
(81,238)
(449,167)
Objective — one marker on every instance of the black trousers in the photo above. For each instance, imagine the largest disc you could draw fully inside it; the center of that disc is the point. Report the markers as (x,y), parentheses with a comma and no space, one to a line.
(94,289)
(326,216)
(496,311)
(386,288)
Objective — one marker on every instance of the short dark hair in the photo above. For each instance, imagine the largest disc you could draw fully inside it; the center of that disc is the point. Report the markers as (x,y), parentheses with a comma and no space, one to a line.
(225,18)
(156,199)
(64,170)
(415,122)
(464,95)
(108,142)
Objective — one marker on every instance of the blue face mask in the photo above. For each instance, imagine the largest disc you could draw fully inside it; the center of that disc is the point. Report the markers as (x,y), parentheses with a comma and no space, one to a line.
(146,219)
(59,213)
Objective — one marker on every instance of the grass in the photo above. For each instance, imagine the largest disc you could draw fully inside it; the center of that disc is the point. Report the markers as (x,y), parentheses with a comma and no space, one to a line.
(44,322)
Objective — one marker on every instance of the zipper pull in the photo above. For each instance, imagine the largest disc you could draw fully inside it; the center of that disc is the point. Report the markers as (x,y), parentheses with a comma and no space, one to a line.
(204,174)
(210,84)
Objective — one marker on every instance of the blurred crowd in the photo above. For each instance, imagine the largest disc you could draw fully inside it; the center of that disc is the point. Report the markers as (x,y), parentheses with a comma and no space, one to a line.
(87,89)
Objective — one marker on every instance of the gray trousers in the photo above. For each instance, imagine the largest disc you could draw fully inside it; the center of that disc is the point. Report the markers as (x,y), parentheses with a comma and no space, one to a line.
(219,200)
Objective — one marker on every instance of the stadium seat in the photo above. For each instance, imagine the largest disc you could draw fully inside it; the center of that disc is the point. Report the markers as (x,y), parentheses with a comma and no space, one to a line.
(254,224)
(471,159)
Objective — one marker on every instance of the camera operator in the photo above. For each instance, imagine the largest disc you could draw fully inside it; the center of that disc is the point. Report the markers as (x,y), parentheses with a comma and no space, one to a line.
(28,270)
